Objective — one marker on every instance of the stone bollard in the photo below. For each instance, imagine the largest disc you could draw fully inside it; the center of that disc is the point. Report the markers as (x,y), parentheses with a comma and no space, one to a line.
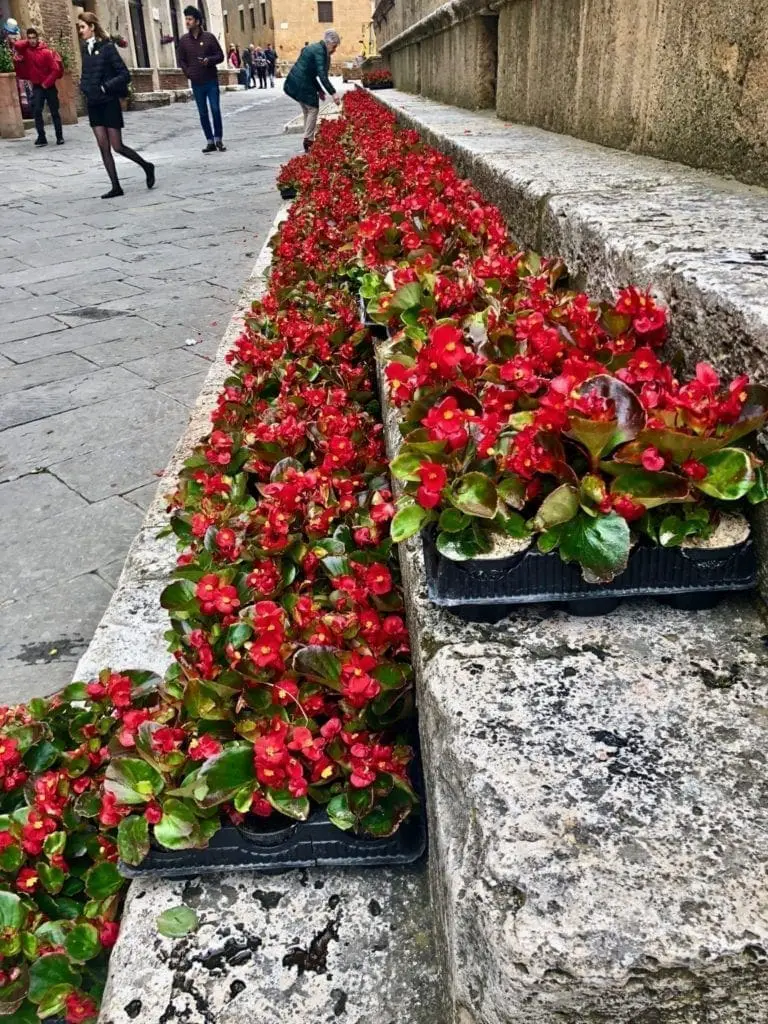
(11,123)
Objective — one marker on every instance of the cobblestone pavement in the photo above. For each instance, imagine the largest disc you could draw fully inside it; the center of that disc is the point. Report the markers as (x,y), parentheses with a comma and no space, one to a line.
(100,300)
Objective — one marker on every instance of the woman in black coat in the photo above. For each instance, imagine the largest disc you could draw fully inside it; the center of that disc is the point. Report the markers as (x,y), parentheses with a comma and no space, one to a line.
(104,80)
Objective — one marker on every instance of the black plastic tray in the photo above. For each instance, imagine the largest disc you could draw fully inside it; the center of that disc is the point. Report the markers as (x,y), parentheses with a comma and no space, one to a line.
(312,843)
(288,193)
(379,331)
(694,578)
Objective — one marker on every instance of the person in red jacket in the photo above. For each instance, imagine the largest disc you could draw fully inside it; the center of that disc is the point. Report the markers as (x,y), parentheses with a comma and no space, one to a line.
(41,66)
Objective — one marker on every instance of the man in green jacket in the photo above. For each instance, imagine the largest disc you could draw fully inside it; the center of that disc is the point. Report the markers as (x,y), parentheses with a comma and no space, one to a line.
(311,67)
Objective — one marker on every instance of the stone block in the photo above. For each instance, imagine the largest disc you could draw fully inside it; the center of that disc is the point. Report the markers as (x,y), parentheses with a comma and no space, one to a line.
(308,947)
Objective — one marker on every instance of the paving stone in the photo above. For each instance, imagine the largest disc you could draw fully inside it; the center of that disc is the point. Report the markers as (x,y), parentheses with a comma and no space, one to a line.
(77,250)
(143,496)
(185,389)
(50,554)
(167,366)
(31,306)
(110,572)
(40,495)
(11,331)
(71,434)
(122,350)
(46,400)
(17,378)
(60,619)
(121,467)
(30,277)
(82,289)
(111,329)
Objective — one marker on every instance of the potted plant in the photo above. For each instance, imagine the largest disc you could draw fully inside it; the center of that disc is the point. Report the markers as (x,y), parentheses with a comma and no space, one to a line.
(11,123)
(290,177)
(380,78)
(534,437)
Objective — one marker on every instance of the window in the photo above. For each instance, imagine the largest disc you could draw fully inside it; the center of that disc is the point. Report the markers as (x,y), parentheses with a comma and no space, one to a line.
(263,13)
(253,17)
(325,10)
(226,23)
(242,19)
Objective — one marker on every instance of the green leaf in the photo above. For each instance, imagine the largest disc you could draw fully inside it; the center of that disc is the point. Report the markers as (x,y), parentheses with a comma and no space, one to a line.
(103,880)
(83,943)
(730,475)
(408,521)
(51,933)
(647,488)
(340,813)
(753,415)
(178,827)
(320,663)
(405,466)
(54,843)
(41,756)
(600,544)
(673,530)
(406,297)
(221,776)
(388,813)
(11,859)
(452,521)
(758,492)
(476,495)
(558,507)
(133,839)
(176,922)
(50,970)
(292,807)
(511,490)
(178,596)
(13,914)
(12,996)
(238,633)
(54,1001)
(459,547)
(52,878)
(132,781)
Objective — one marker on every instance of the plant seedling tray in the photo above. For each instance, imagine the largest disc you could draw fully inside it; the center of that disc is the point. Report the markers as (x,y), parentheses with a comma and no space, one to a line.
(265,845)
(484,590)
(288,193)
(379,331)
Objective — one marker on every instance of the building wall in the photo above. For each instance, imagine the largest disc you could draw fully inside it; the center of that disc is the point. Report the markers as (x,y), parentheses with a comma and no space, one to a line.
(297,22)
(54,19)
(681,80)
(257,27)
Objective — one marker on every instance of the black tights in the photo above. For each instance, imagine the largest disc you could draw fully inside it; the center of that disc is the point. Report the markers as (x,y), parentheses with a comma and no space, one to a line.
(111,140)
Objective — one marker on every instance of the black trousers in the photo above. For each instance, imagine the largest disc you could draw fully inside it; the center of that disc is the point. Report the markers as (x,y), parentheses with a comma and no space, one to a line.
(262,73)
(40,97)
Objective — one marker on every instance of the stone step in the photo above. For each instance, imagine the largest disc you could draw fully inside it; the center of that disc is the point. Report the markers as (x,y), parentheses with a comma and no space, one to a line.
(308,947)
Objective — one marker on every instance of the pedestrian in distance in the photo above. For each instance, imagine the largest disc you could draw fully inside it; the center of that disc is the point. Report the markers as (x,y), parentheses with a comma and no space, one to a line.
(42,66)
(271,56)
(248,66)
(301,85)
(252,49)
(103,82)
(260,63)
(234,58)
(198,54)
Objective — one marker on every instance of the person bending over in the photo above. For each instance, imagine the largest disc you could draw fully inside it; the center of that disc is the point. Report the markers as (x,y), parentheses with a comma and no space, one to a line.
(311,68)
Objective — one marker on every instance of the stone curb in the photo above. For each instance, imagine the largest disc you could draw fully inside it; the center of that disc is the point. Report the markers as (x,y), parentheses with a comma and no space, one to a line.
(304,946)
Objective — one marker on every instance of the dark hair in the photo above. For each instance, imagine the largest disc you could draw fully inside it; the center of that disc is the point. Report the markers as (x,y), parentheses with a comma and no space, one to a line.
(90,19)
(193,12)
(32,32)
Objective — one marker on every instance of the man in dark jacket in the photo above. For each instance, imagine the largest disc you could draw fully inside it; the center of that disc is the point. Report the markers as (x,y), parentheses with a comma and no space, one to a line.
(312,66)
(271,56)
(248,65)
(199,53)
(38,64)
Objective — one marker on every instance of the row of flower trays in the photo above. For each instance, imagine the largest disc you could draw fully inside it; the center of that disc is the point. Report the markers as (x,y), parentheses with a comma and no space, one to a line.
(283,733)
(550,455)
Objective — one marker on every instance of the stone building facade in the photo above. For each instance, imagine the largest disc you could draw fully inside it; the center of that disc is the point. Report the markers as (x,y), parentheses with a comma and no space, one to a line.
(289,24)
(678,80)
(54,19)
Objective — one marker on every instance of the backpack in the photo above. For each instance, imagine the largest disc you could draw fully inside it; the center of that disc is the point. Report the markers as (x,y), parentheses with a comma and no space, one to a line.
(59,65)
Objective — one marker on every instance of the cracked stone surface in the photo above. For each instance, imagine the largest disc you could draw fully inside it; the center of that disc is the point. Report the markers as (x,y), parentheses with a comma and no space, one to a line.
(96,377)
(308,947)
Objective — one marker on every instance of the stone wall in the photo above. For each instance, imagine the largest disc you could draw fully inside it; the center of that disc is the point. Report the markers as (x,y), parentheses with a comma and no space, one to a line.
(669,78)
(297,22)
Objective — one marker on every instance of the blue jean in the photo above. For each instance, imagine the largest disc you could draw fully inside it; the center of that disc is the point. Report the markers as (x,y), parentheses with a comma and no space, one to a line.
(204,94)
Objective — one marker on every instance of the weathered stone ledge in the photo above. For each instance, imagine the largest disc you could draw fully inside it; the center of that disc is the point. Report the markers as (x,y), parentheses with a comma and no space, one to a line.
(305,947)
(699,241)
(598,805)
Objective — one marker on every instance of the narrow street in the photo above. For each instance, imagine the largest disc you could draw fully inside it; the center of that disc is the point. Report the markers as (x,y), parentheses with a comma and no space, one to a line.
(111,313)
